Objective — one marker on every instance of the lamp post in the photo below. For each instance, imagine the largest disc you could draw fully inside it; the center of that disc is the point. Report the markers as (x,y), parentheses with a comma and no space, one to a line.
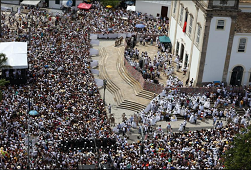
(104,84)
(29,22)
(28,130)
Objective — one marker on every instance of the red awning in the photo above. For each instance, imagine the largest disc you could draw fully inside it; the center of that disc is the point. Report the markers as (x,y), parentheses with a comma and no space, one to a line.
(84,6)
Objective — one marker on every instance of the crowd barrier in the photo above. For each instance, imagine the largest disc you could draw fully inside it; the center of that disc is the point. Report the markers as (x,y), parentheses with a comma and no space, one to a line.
(203,90)
(94,63)
(110,35)
(93,51)
(94,42)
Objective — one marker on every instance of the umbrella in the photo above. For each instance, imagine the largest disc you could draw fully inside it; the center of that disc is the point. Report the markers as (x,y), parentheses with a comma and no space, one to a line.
(108,6)
(124,18)
(129,2)
(33,113)
(60,68)
(59,106)
(84,6)
(140,26)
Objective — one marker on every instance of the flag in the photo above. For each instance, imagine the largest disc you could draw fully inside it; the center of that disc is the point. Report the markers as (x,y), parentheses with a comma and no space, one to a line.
(184,27)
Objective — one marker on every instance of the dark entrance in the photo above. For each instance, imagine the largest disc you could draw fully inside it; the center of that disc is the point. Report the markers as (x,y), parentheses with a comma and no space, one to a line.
(181,52)
(236,76)
(47,3)
(73,2)
(186,61)
(164,10)
(177,47)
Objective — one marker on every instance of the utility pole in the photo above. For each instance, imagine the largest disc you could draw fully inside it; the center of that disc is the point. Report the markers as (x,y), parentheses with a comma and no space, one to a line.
(104,84)
(1,19)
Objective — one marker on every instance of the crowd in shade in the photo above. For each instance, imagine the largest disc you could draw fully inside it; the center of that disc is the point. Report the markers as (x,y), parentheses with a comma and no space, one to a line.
(153,68)
(71,126)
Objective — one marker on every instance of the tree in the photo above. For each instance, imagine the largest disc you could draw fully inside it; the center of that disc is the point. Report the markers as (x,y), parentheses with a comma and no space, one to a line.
(113,3)
(3,60)
(239,154)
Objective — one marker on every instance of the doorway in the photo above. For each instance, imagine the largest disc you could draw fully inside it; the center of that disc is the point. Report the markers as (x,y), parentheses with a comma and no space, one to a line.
(186,61)
(236,77)
(177,48)
(47,3)
(181,53)
(164,10)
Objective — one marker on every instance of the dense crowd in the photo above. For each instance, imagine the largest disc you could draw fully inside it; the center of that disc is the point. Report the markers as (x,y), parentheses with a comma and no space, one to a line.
(71,126)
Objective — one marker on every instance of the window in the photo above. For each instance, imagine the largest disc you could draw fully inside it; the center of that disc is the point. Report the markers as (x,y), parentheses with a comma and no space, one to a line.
(220,24)
(181,13)
(57,1)
(242,45)
(174,7)
(198,34)
(190,25)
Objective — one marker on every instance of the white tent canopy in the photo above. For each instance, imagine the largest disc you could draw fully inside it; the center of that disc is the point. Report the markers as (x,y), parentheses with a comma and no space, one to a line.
(16,52)
(25,2)
(130,8)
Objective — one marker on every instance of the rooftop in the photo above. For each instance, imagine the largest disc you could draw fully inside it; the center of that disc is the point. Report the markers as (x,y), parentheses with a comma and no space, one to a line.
(243,23)
(245,1)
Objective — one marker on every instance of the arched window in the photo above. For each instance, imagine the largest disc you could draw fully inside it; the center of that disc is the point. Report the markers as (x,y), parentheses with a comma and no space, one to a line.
(190,25)
(198,33)
(174,6)
(181,13)
(242,45)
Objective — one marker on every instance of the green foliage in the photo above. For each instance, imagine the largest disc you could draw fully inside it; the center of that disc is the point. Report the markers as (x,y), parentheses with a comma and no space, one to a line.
(113,3)
(3,60)
(239,156)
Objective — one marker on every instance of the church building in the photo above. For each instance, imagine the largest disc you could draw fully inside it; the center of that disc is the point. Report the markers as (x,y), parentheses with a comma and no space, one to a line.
(213,39)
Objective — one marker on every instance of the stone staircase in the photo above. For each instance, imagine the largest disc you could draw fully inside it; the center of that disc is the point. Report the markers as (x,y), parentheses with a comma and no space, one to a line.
(138,90)
(114,89)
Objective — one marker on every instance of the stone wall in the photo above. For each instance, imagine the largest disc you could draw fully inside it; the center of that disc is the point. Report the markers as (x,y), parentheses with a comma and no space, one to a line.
(146,85)
(202,90)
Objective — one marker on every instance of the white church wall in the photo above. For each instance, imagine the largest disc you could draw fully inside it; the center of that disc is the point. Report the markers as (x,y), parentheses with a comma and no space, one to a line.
(172,31)
(194,63)
(241,58)
(216,50)
(151,7)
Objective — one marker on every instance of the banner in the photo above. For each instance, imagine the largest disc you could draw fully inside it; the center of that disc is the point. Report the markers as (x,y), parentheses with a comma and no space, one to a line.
(94,42)
(99,82)
(93,52)
(94,71)
(94,63)
(93,36)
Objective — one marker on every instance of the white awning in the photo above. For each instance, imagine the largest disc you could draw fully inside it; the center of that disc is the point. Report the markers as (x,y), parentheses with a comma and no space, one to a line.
(34,3)
(16,52)
(130,8)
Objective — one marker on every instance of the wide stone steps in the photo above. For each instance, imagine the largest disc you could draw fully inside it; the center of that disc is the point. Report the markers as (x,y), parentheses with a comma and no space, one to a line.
(130,80)
(130,105)
(114,89)
(111,87)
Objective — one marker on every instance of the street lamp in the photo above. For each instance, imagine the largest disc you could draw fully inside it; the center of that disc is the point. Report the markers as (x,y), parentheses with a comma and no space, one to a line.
(104,85)
(29,22)
(28,130)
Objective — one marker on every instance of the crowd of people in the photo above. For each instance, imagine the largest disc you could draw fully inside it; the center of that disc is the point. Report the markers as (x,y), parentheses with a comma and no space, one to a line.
(71,126)
(151,68)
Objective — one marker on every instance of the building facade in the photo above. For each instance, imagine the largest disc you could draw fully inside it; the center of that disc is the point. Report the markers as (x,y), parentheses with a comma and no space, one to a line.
(212,38)
(155,8)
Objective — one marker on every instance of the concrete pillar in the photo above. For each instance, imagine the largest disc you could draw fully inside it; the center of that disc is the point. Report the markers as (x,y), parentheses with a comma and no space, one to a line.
(176,19)
(202,59)
(229,49)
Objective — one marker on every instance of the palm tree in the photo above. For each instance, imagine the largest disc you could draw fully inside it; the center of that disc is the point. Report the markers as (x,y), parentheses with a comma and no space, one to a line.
(3,60)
